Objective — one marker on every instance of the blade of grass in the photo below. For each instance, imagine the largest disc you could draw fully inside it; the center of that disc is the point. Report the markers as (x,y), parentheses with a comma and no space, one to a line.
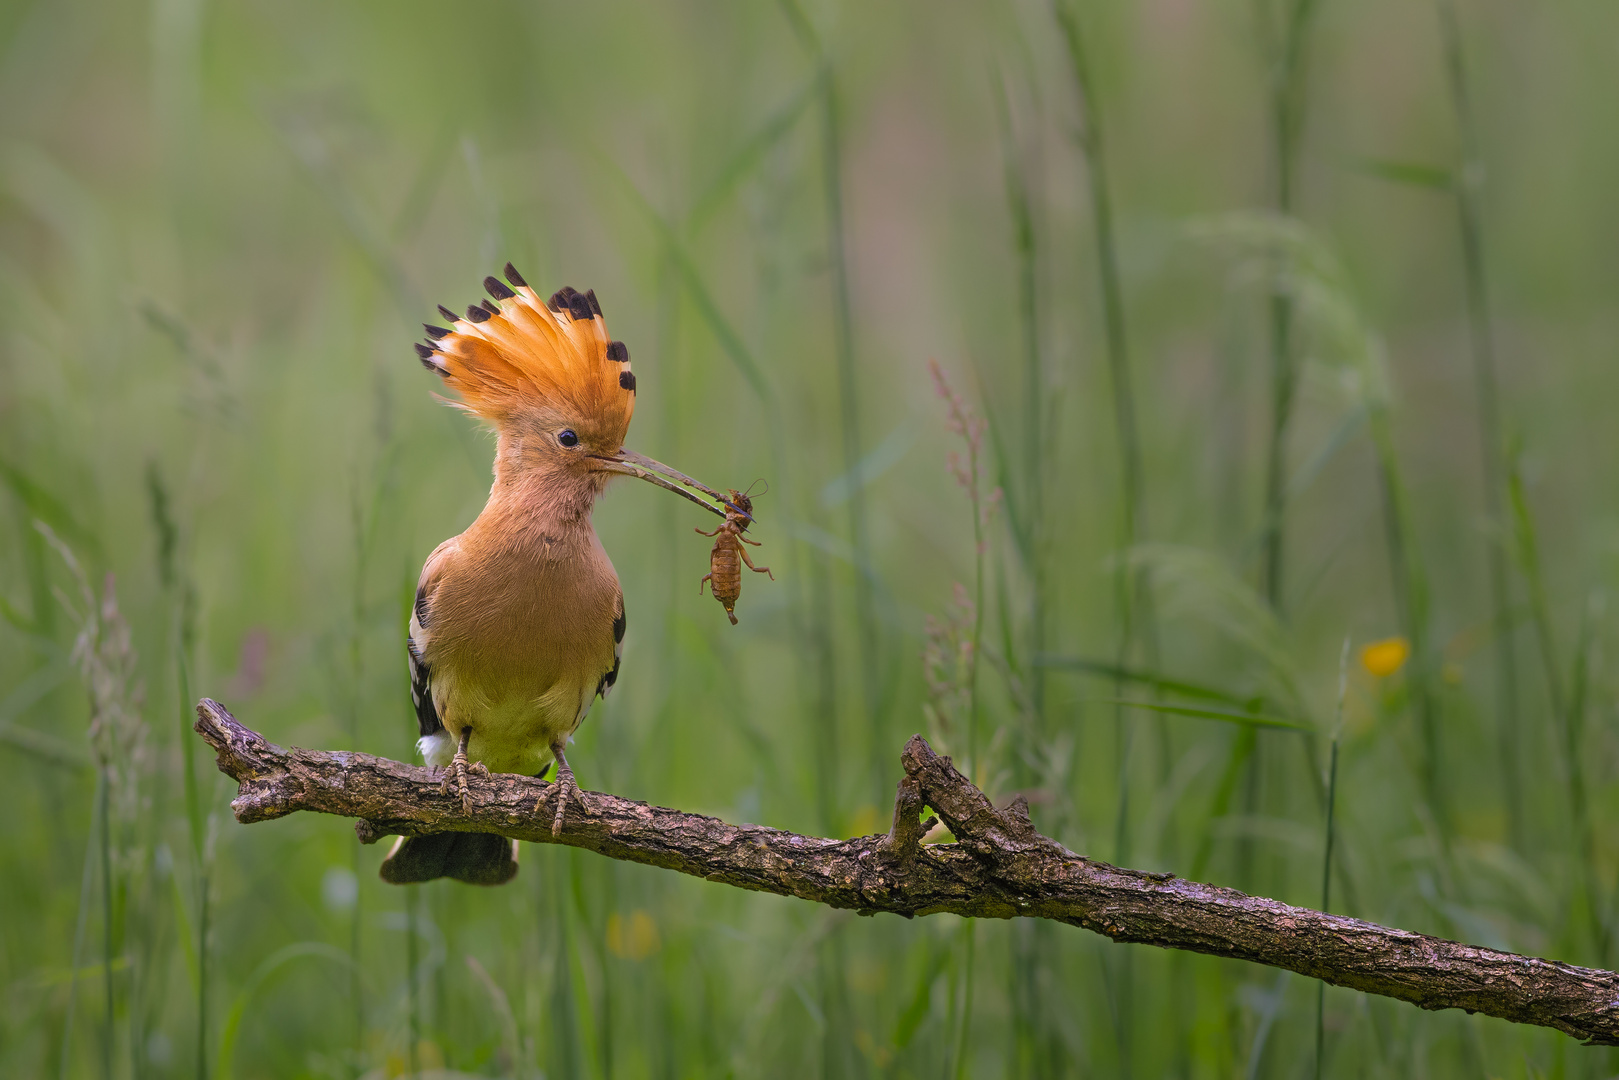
(104,843)
(197,827)
(413,989)
(916,1010)
(424,186)
(964,422)
(1270,1007)
(503,1013)
(817,633)
(1526,550)
(1586,855)
(1225,716)
(1011,669)
(1103,668)
(25,695)
(81,925)
(46,748)
(746,157)
(961,1042)
(1202,585)
(813,634)
(792,969)
(840,1056)
(1287,57)
(1016,518)
(312,151)
(730,342)
(230,1032)
(1242,750)
(1093,144)
(1132,587)
(1481,337)
(871,659)
(40,504)
(1411,602)
(1410,173)
(1326,846)
(1567,704)
(849,408)
(877,461)
(13,615)
(1307,473)
(1025,257)
(564,1006)
(178,596)
(360,521)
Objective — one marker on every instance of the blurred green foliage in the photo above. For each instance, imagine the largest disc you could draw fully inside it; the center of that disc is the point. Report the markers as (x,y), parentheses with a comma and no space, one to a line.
(221,224)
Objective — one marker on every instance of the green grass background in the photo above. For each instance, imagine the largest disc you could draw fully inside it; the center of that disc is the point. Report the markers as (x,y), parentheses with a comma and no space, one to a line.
(221,224)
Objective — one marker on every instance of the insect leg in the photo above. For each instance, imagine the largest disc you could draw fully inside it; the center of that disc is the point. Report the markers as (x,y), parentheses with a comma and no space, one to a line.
(756,569)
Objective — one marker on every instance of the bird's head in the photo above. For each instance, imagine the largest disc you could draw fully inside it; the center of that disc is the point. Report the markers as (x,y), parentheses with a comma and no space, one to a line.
(557,388)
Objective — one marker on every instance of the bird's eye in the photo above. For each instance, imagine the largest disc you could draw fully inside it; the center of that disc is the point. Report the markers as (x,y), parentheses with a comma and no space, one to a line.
(568,438)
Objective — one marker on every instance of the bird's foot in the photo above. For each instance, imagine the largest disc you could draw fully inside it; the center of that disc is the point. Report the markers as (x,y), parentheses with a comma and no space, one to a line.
(563,790)
(457,772)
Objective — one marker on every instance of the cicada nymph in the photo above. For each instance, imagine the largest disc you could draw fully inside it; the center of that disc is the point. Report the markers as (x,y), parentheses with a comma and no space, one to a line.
(726,559)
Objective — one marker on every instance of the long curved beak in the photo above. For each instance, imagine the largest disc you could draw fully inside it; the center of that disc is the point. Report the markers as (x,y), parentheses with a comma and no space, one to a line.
(629,463)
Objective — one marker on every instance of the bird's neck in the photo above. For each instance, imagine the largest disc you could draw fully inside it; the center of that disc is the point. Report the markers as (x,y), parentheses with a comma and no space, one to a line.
(550,502)
(553,501)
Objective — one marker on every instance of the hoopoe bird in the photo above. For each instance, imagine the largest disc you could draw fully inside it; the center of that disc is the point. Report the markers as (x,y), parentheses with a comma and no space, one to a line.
(518,624)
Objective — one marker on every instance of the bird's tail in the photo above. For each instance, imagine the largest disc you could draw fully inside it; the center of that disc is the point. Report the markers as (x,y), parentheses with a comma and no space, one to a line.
(475,858)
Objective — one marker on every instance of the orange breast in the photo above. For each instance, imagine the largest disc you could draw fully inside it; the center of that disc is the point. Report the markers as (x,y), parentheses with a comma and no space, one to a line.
(521,636)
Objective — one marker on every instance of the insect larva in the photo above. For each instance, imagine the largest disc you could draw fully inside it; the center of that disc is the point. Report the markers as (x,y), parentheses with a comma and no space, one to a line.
(724,567)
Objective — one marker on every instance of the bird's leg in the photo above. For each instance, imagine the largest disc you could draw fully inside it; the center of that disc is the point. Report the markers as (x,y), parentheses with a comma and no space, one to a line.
(459,769)
(565,789)
(756,569)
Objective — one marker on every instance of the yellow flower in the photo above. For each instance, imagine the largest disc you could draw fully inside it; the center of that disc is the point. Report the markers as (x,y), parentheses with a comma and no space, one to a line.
(635,938)
(1384,658)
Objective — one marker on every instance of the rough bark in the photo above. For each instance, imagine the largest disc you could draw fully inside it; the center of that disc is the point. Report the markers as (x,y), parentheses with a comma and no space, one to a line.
(1000,867)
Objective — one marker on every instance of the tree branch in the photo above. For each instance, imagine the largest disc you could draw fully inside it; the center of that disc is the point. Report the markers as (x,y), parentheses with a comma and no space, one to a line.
(1000,867)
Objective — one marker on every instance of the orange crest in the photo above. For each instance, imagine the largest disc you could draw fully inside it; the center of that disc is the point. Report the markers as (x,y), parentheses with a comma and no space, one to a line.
(519,355)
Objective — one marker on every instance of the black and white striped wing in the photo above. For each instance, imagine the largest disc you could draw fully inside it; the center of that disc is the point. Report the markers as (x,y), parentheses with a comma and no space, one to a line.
(416,641)
(610,678)
(421,675)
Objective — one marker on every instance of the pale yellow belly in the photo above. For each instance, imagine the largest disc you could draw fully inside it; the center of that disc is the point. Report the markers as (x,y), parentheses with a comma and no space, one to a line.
(518,637)
(512,732)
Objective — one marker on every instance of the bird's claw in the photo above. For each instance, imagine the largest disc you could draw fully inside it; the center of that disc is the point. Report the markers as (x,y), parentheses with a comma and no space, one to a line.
(564,791)
(458,771)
